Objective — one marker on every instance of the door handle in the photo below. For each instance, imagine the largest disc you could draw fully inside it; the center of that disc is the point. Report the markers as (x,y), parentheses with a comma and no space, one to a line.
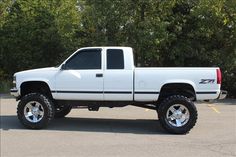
(99,75)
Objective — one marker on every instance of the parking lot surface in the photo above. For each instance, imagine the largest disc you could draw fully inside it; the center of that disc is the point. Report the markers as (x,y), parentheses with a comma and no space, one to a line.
(120,132)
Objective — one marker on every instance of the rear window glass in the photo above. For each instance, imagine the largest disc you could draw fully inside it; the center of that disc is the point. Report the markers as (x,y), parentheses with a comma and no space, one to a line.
(115,59)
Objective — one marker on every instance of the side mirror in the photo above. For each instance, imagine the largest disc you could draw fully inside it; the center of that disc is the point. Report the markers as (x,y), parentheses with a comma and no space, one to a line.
(63,66)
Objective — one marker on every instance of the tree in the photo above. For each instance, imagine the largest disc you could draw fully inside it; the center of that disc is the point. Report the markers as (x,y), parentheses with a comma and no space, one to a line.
(163,33)
(166,33)
(37,34)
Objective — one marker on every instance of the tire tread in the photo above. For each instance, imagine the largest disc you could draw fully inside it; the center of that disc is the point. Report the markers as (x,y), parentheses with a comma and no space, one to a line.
(50,111)
(161,115)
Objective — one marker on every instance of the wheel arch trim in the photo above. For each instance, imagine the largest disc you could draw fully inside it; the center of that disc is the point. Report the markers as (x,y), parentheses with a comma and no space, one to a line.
(46,82)
(179,82)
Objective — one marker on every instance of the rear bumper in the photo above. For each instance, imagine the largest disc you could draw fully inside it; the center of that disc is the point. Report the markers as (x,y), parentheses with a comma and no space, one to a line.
(222,94)
(14,92)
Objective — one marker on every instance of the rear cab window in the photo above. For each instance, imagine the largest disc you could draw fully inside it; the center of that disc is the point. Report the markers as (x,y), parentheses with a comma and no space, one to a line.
(115,59)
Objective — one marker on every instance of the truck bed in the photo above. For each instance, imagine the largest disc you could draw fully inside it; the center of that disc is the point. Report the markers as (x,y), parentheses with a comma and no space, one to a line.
(146,89)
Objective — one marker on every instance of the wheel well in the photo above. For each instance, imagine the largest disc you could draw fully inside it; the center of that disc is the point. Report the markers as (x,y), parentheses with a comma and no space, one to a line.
(35,87)
(177,89)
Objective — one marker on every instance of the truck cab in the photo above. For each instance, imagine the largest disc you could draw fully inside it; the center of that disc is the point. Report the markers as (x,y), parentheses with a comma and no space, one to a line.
(100,74)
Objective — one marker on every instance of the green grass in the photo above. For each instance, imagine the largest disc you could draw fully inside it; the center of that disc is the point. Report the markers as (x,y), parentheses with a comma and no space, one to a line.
(5,86)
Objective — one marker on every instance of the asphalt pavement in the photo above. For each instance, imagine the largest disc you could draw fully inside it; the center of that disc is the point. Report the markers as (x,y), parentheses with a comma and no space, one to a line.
(120,132)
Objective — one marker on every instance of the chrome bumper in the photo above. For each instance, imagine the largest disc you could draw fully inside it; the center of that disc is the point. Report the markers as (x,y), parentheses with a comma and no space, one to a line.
(14,92)
(222,94)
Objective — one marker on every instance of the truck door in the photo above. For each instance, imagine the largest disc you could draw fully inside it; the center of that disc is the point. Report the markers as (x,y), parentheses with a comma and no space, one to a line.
(118,81)
(82,77)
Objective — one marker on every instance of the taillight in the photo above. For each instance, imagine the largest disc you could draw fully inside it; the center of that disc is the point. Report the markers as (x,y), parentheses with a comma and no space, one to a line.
(219,76)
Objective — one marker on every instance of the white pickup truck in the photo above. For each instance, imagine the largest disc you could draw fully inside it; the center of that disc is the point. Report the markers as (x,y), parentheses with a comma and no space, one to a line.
(96,77)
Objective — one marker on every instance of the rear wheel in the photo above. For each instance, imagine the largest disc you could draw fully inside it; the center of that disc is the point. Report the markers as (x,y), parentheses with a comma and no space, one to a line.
(177,114)
(62,111)
(35,111)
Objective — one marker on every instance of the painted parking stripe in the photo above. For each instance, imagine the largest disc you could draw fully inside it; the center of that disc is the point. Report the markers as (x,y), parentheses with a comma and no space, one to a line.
(214,108)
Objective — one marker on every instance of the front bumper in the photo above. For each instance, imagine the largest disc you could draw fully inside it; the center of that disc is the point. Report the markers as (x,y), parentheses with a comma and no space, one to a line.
(14,92)
(222,94)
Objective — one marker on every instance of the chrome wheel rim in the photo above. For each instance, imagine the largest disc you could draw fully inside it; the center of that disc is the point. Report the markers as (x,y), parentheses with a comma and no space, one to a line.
(33,111)
(177,115)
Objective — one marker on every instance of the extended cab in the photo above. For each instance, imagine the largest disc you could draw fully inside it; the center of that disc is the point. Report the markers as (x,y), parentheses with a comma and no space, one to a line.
(96,77)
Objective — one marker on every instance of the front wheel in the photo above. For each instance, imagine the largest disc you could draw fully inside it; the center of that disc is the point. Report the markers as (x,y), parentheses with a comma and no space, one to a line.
(35,111)
(177,114)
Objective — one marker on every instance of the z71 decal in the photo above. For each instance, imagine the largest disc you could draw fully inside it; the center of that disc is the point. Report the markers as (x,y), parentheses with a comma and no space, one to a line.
(206,81)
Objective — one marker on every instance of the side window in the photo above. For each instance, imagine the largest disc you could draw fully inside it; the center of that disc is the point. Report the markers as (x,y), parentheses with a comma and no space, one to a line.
(115,59)
(85,59)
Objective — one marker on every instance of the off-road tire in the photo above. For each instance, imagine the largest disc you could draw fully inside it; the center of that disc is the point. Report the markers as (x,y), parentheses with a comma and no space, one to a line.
(48,107)
(177,99)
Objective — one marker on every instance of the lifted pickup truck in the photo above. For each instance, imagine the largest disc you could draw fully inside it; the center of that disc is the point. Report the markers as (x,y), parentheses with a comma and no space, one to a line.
(96,77)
